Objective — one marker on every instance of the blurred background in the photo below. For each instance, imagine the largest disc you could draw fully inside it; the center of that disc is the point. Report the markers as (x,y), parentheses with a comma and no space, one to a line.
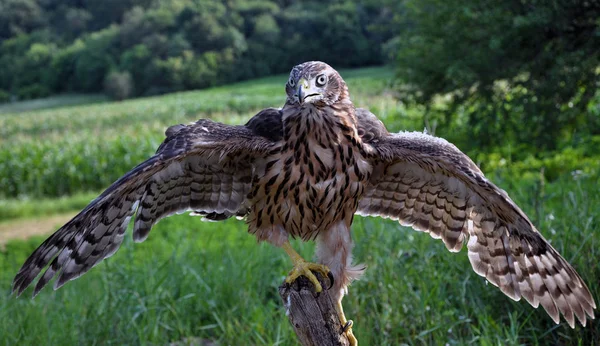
(87,88)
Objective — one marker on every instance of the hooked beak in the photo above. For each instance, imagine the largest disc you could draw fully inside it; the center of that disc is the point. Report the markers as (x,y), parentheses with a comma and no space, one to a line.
(304,91)
(301,91)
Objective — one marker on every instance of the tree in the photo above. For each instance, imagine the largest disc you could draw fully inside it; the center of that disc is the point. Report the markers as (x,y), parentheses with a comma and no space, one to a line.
(19,17)
(137,61)
(523,69)
(95,59)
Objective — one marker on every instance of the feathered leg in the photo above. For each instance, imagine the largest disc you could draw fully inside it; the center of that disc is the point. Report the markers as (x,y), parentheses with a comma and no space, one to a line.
(334,249)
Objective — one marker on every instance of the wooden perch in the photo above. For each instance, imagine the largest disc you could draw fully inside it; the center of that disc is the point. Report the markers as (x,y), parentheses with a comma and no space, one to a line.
(314,317)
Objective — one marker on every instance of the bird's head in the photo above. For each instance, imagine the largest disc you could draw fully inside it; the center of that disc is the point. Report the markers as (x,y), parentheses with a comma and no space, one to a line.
(316,83)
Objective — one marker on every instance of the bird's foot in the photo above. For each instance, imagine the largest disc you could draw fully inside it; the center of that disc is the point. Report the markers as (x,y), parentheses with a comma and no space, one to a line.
(346,325)
(306,269)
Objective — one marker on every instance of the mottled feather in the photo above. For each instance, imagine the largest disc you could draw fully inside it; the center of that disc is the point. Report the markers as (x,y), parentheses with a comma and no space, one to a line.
(206,167)
(427,183)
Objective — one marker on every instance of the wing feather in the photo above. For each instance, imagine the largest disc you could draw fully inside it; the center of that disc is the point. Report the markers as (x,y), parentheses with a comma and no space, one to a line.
(427,183)
(206,167)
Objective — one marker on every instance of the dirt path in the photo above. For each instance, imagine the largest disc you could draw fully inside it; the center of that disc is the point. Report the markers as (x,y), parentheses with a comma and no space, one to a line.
(23,229)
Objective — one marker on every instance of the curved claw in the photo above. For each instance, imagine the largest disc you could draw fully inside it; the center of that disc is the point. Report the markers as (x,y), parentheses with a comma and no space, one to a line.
(331,280)
(347,329)
(347,326)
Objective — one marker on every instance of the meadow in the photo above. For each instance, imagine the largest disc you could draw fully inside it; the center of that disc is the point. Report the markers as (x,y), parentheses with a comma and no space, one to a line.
(203,283)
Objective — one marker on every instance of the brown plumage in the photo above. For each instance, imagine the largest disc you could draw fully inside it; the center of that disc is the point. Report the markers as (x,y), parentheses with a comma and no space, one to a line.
(304,171)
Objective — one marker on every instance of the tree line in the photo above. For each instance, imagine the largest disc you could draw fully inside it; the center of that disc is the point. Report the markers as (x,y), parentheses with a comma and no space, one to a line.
(145,47)
(517,71)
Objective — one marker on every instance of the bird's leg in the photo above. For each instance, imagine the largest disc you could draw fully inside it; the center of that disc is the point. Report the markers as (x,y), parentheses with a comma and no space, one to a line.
(304,268)
(346,324)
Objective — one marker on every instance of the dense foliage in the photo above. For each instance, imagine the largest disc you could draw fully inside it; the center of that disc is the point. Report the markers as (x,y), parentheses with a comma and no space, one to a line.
(519,71)
(51,46)
(524,72)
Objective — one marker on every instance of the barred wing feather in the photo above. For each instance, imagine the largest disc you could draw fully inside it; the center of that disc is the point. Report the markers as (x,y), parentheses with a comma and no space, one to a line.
(206,167)
(427,183)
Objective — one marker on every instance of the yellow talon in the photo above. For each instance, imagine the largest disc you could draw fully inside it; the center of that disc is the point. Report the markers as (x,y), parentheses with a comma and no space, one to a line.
(346,324)
(303,268)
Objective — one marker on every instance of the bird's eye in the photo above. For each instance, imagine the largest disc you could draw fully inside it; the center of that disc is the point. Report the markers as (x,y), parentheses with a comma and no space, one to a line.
(292,82)
(321,80)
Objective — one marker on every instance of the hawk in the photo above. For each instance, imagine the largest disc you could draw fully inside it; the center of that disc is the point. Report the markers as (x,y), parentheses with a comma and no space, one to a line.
(304,171)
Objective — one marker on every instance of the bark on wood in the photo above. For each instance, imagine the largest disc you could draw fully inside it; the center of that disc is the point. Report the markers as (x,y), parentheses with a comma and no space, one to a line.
(313,316)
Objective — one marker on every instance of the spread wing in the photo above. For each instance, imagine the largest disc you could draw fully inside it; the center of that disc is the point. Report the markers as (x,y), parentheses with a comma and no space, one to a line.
(427,183)
(205,167)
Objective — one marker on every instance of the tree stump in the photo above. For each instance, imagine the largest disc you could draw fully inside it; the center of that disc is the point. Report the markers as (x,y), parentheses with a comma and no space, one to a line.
(313,316)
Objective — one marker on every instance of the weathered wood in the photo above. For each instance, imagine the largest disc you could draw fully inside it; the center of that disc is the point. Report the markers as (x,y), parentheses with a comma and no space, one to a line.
(313,316)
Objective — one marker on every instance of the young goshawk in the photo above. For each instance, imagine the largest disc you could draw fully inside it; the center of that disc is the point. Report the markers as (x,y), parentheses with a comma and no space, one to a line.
(304,171)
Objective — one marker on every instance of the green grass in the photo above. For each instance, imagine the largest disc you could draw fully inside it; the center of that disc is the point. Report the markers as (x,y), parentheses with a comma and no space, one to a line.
(36,207)
(212,281)
(56,101)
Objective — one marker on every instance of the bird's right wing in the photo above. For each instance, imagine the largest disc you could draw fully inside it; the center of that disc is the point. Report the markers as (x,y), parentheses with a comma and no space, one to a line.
(427,183)
(206,167)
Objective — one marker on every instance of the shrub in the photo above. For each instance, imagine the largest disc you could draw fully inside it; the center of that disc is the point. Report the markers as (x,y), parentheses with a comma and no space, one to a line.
(33,91)
(4,96)
(118,85)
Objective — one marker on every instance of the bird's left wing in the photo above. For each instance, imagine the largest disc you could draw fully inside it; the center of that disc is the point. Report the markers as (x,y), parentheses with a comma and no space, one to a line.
(205,167)
(427,183)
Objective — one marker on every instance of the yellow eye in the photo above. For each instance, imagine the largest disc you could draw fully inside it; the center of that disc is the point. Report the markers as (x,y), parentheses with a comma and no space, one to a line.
(321,80)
